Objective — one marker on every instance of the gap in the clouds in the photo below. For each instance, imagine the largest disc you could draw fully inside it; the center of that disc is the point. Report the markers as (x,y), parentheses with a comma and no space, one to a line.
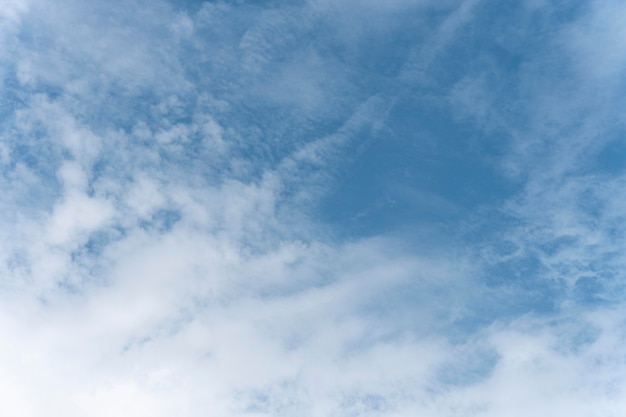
(90,261)
(422,168)
(612,157)
(162,221)
(99,241)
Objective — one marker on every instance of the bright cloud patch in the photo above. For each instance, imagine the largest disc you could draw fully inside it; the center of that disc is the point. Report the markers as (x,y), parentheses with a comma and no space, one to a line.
(315,208)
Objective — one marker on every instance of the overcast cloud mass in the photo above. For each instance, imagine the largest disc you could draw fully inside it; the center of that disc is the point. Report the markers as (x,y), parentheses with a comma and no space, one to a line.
(312,208)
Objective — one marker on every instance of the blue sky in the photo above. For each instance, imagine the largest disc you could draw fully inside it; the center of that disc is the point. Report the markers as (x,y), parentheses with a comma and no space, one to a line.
(312,208)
